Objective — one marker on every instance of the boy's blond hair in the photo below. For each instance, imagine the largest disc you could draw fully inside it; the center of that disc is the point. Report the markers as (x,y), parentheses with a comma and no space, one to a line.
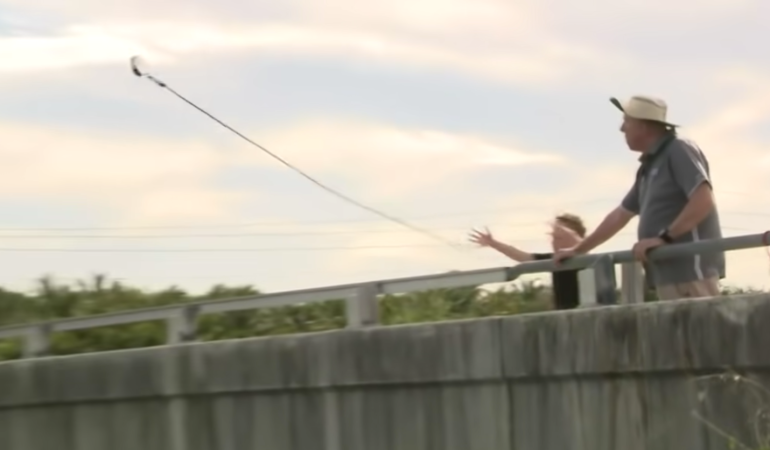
(572,222)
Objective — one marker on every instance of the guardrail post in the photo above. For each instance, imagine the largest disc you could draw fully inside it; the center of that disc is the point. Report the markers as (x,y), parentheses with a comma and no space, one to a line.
(362,307)
(183,326)
(37,340)
(633,282)
(606,282)
(597,283)
(587,287)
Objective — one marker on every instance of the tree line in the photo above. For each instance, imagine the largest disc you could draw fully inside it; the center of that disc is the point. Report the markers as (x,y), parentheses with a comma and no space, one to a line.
(50,300)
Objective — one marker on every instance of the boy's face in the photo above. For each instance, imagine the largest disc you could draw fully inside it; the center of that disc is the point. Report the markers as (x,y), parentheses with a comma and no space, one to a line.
(562,237)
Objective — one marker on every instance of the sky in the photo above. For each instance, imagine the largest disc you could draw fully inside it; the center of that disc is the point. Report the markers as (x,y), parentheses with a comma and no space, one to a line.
(448,114)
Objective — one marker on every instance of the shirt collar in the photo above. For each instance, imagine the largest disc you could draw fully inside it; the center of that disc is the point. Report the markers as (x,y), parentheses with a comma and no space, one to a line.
(655,148)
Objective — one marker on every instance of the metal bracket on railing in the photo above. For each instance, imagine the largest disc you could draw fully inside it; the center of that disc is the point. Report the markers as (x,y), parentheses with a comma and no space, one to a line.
(511,274)
(37,340)
(597,283)
(587,287)
(363,306)
(606,282)
(183,326)
(633,283)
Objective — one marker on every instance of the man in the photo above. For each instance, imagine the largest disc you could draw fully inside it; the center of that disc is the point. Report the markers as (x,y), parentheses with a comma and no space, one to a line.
(672,195)
(567,230)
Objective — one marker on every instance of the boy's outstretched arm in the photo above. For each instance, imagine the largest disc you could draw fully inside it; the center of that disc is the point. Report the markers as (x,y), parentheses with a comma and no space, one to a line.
(485,239)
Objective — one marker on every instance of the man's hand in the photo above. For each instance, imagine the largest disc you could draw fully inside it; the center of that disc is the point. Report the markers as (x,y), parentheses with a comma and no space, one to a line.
(564,253)
(645,245)
(483,239)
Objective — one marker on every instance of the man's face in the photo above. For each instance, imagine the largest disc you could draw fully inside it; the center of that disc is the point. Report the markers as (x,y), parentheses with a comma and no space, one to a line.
(635,132)
(562,236)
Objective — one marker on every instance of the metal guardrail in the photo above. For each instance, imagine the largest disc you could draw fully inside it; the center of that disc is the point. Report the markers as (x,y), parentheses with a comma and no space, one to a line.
(361,298)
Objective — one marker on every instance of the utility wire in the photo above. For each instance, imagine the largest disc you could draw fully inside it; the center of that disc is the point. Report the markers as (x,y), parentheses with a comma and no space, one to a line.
(218,235)
(194,236)
(253,224)
(269,234)
(311,223)
(260,249)
(268,223)
(211,250)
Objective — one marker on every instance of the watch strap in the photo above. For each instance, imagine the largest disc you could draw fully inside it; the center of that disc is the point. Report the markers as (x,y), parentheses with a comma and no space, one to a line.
(665,236)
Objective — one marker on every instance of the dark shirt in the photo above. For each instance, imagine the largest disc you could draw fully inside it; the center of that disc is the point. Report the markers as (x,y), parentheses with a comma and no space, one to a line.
(667,177)
(566,294)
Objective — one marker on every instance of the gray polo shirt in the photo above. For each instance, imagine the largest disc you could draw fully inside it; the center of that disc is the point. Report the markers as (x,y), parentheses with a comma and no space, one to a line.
(667,177)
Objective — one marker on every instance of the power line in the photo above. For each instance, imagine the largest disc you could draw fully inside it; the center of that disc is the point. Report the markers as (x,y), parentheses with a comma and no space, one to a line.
(368,274)
(269,223)
(212,250)
(218,235)
(262,223)
(312,223)
(270,249)
(301,222)
(467,245)
(268,234)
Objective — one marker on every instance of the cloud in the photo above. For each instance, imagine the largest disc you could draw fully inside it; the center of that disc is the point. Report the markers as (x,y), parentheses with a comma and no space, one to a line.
(538,62)
(610,13)
(527,43)
(535,43)
(737,155)
(143,178)
(151,178)
(72,48)
(390,161)
(493,40)
(51,161)
(185,204)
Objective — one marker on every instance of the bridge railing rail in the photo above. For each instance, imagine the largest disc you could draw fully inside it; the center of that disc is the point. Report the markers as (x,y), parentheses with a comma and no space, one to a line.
(596,279)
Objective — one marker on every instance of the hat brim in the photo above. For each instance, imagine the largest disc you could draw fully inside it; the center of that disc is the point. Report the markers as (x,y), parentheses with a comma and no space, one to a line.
(619,105)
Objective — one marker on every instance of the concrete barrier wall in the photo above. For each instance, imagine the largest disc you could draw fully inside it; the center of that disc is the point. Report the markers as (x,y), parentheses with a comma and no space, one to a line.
(622,377)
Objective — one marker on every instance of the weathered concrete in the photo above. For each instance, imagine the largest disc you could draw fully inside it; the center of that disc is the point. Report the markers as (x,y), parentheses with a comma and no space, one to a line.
(621,377)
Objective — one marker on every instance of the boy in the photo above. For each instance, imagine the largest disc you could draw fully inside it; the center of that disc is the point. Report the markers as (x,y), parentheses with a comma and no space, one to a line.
(567,230)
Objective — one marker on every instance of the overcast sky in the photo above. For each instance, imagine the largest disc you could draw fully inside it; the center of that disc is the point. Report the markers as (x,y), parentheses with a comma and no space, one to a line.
(449,114)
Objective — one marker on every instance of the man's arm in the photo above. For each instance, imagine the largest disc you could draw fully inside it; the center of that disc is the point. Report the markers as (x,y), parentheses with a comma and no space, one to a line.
(699,206)
(692,177)
(614,222)
(511,251)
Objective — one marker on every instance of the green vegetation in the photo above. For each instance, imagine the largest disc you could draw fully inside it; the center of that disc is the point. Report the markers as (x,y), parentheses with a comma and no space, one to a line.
(51,301)
(734,392)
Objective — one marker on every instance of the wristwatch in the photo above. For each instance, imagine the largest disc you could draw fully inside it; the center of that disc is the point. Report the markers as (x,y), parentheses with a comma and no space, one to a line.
(665,237)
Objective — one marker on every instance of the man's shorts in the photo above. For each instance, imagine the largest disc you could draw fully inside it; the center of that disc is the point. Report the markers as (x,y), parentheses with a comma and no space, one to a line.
(708,287)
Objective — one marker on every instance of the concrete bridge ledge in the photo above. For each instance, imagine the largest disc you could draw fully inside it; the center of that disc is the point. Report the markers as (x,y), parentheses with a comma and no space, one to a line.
(691,336)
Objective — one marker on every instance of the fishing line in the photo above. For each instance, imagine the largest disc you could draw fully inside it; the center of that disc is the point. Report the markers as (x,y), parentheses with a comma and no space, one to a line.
(136,68)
